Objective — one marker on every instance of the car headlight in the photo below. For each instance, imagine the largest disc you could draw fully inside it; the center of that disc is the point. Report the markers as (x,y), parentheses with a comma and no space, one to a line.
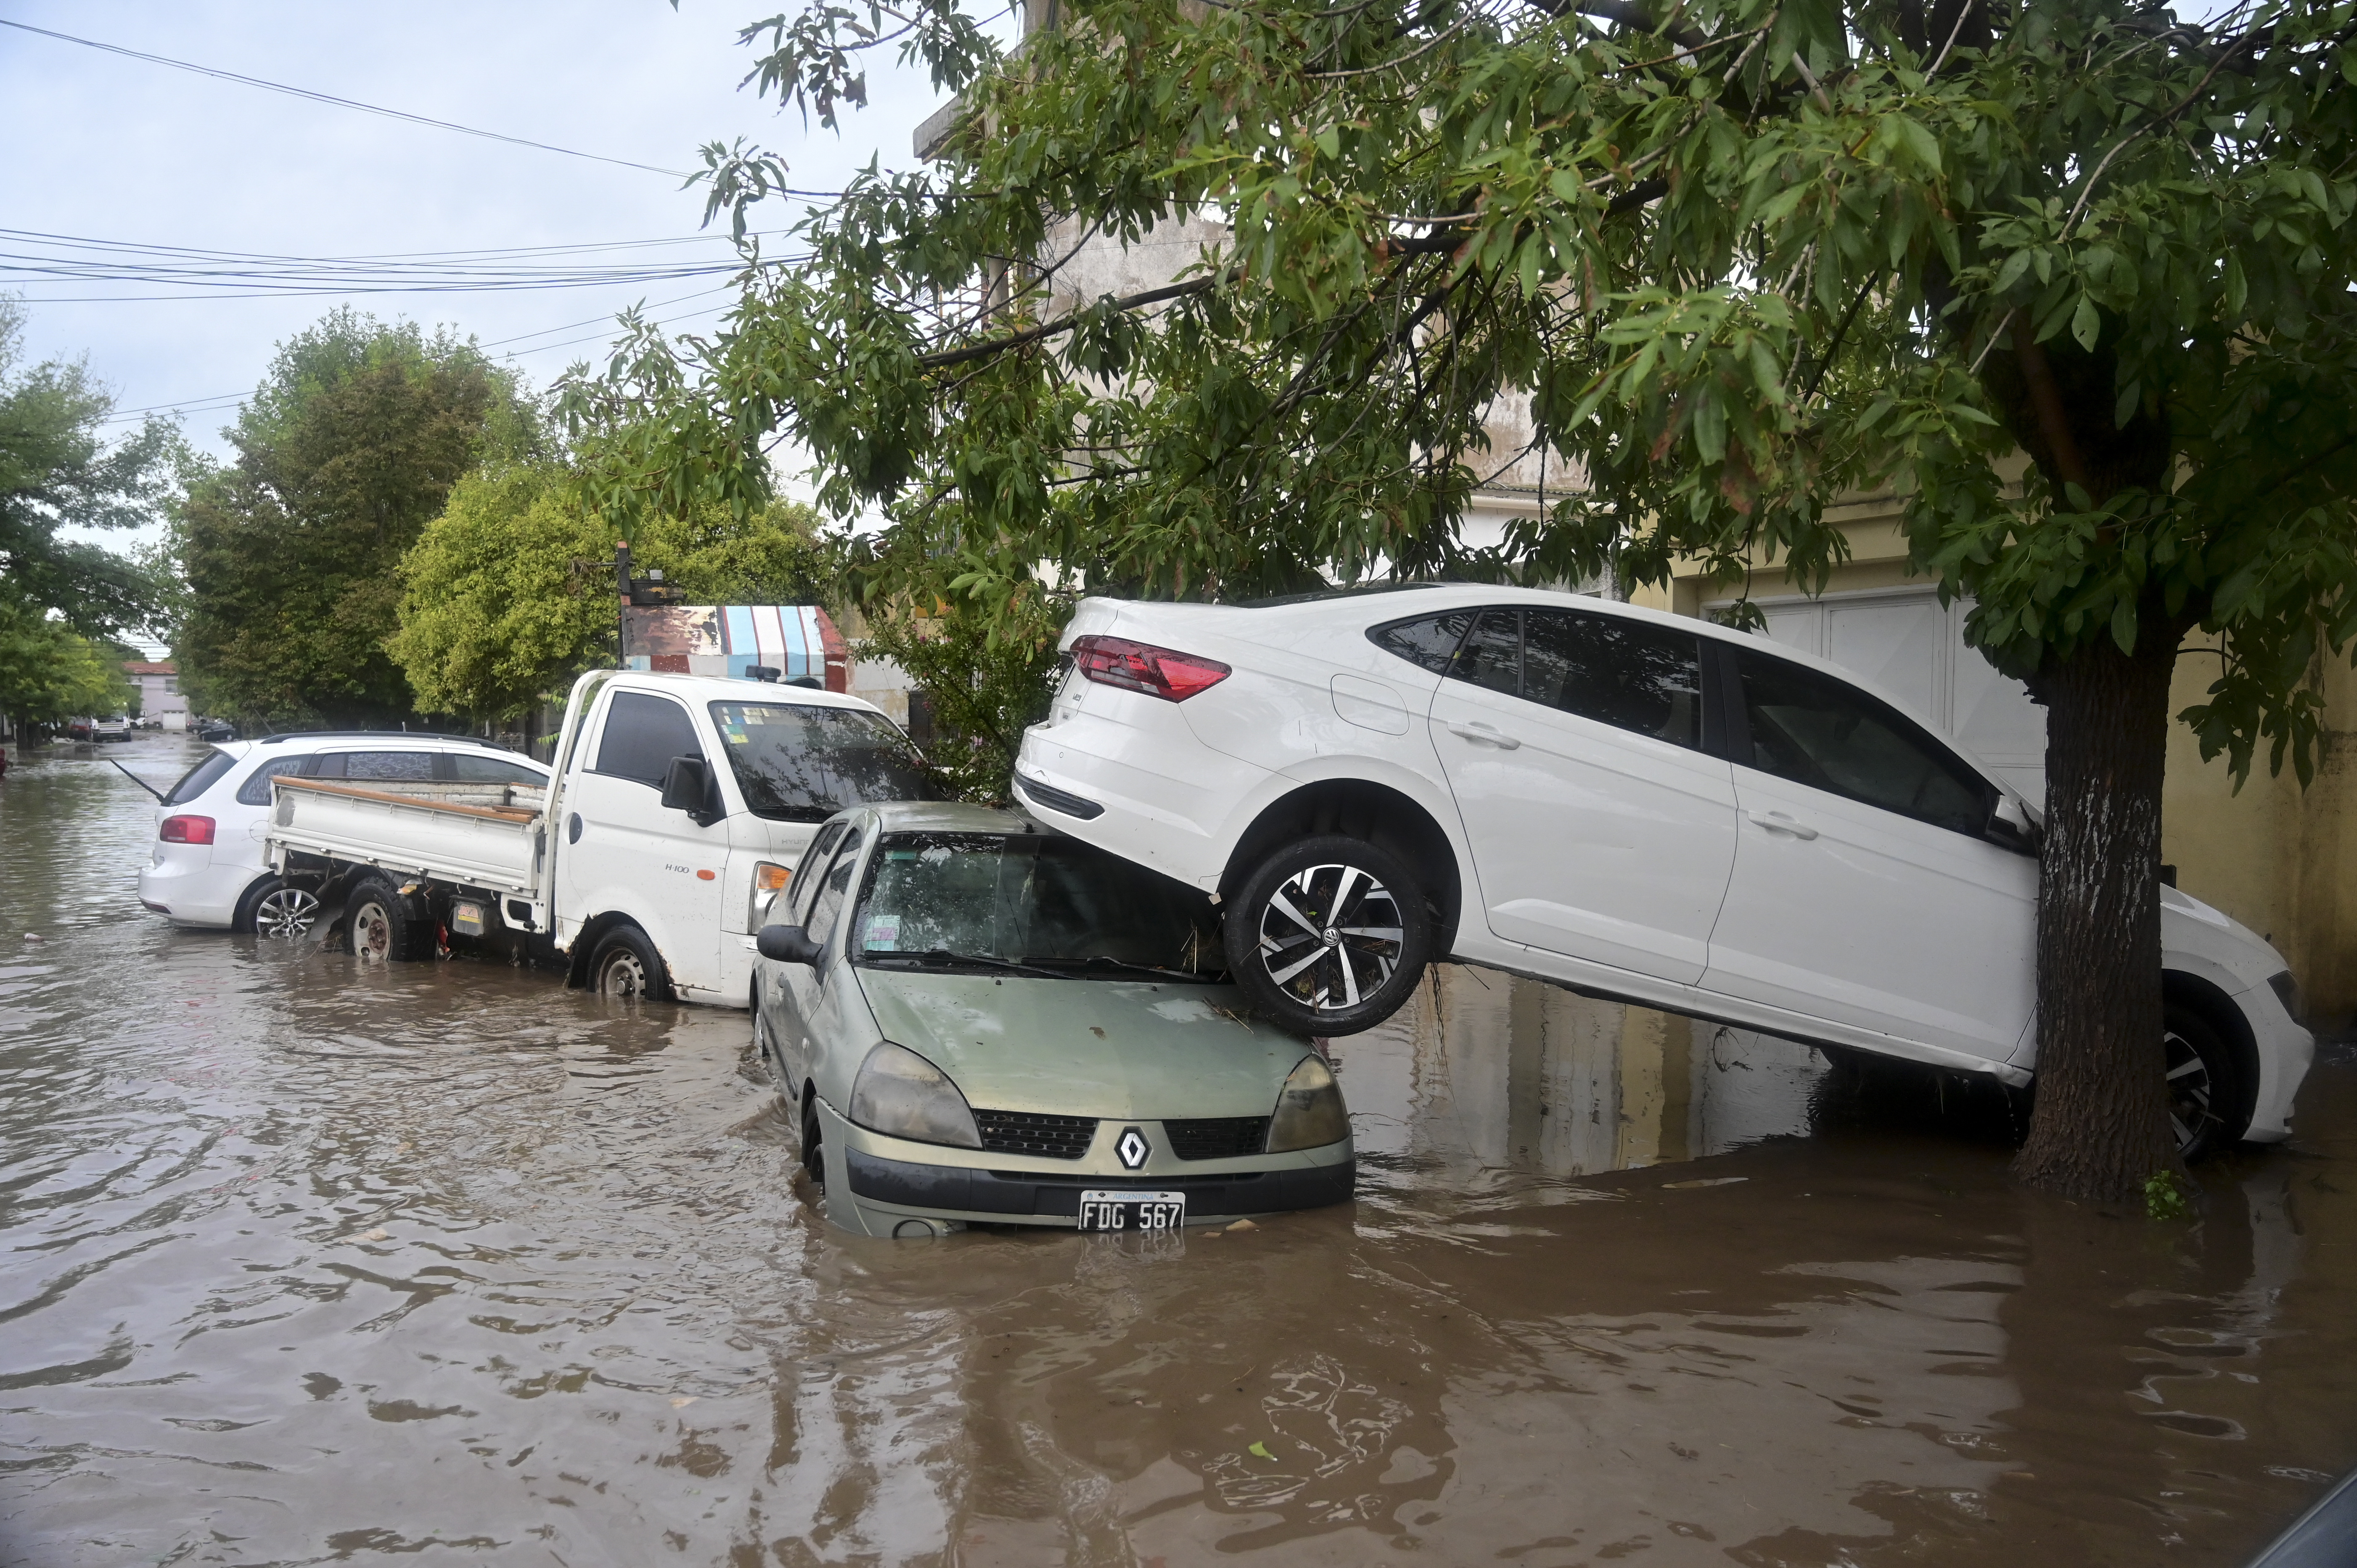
(899,1093)
(1309,1113)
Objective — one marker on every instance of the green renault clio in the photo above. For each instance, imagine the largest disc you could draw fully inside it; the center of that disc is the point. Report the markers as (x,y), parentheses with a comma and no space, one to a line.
(979,1020)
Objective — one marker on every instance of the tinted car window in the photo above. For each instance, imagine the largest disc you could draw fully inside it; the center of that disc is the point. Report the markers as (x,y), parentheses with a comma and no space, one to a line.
(802,763)
(642,734)
(831,891)
(1427,641)
(255,790)
(468,767)
(1817,731)
(377,766)
(1032,898)
(200,777)
(810,872)
(1492,655)
(1627,674)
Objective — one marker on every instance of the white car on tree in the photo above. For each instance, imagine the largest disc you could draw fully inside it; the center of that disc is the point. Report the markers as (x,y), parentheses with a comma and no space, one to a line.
(1640,806)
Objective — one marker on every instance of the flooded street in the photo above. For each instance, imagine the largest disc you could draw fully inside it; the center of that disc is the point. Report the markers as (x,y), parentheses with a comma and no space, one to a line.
(442,1263)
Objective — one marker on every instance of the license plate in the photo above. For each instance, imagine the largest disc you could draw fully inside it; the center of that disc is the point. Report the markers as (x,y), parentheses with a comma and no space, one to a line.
(1101,1209)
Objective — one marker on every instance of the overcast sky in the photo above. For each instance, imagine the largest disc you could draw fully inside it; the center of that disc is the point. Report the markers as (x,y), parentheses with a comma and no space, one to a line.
(99,146)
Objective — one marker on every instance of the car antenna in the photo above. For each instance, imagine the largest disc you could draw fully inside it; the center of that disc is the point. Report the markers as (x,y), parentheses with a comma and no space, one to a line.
(135,780)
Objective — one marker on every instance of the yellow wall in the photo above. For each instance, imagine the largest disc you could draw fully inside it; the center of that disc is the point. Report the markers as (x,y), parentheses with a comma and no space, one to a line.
(2281,860)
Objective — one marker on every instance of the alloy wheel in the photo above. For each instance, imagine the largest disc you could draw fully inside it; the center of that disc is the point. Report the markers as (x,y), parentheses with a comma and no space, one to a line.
(373,933)
(1332,935)
(287,912)
(2191,1091)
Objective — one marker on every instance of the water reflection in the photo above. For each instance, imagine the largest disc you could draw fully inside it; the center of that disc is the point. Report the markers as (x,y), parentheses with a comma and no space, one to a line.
(442,1264)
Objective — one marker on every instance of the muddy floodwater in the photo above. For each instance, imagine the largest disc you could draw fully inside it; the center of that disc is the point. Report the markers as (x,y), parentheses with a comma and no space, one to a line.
(443,1263)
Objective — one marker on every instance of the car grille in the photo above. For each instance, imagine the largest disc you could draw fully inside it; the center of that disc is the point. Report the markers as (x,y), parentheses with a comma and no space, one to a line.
(1218,1138)
(1024,1133)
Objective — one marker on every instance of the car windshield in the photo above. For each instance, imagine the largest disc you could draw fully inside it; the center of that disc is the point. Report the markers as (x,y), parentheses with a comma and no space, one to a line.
(1039,902)
(200,778)
(802,763)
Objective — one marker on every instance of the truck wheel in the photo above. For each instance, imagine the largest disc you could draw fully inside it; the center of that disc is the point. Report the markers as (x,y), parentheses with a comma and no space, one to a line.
(625,964)
(2204,1083)
(387,928)
(1328,935)
(275,907)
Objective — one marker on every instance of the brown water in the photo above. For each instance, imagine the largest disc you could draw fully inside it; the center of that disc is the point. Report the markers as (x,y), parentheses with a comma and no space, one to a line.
(447,1264)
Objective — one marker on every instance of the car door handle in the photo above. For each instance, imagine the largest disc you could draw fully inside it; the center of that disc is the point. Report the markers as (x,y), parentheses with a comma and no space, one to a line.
(1485,734)
(1779,823)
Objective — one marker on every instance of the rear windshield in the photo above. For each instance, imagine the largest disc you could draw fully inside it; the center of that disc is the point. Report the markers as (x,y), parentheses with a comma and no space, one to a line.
(802,763)
(200,777)
(997,901)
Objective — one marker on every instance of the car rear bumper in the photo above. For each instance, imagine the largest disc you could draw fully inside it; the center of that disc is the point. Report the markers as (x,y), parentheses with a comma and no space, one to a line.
(1128,775)
(183,883)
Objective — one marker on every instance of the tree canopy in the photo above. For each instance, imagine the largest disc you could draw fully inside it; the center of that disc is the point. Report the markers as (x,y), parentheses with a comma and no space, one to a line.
(291,553)
(1740,256)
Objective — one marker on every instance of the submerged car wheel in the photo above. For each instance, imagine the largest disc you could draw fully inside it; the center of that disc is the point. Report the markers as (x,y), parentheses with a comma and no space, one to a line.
(627,966)
(277,907)
(2205,1084)
(1328,935)
(386,927)
(813,1155)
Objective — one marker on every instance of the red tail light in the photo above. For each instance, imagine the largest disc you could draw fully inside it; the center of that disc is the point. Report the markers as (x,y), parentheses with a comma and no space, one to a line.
(1142,667)
(186,830)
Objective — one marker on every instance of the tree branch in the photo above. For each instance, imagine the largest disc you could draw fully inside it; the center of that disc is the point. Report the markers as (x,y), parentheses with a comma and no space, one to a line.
(1060,325)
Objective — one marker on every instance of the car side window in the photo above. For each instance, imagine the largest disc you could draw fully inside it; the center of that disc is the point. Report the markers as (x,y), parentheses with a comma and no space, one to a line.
(255,790)
(811,873)
(377,766)
(468,768)
(1492,655)
(1429,641)
(1624,674)
(832,890)
(642,734)
(1818,731)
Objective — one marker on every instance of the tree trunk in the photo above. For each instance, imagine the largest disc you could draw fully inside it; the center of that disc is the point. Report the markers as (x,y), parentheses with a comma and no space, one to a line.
(2100,1129)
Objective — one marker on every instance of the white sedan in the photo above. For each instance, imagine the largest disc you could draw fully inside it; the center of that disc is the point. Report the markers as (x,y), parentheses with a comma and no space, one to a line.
(1640,805)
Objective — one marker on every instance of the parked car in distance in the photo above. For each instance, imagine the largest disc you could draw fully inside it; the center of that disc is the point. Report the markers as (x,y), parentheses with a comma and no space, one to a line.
(1641,805)
(208,866)
(977,1019)
(104,727)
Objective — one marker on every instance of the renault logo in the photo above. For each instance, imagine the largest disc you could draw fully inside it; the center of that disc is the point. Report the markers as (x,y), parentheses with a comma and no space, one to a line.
(1132,1148)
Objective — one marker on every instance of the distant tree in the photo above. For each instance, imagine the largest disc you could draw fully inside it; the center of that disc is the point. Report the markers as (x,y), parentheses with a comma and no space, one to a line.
(347,449)
(510,592)
(49,673)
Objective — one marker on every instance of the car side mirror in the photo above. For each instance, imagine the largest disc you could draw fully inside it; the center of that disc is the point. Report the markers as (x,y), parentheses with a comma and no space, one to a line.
(2011,826)
(687,787)
(787,944)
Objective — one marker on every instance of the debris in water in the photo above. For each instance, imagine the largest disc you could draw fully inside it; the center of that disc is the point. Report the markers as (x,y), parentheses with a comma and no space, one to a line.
(1702,1181)
(1244,1225)
(377,1234)
(1260,1451)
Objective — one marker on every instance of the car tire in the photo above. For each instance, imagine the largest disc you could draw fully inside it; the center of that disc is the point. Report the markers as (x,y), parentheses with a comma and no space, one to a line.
(386,927)
(625,966)
(2205,1083)
(814,1144)
(1328,935)
(275,907)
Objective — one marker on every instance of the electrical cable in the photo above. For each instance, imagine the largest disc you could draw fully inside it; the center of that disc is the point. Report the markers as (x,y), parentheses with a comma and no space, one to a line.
(338,102)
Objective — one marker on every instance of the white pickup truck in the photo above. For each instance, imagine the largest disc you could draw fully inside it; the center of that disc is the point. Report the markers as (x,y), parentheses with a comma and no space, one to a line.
(677,810)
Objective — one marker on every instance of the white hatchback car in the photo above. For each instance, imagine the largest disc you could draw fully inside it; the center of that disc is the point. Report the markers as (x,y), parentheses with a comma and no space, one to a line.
(1638,805)
(207,868)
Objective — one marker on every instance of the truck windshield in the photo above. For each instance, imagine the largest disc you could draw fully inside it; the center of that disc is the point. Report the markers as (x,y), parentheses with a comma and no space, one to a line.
(802,763)
(1029,902)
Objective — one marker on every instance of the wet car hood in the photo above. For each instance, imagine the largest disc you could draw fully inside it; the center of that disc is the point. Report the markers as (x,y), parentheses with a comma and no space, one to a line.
(1087,1047)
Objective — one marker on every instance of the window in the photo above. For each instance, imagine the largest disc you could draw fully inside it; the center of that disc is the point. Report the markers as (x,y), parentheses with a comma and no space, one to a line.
(820,924)
(1429,641)
(255,790)
(1492,655)
(642,734)
(933,899)
(811,872)
(376,766)
(200,777)
(1624,674)
(1823,733)
(469,768)
(802,763)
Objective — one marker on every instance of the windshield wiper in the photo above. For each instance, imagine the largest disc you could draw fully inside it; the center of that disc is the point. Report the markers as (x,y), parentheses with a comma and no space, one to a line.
(938,956)
(1099,960)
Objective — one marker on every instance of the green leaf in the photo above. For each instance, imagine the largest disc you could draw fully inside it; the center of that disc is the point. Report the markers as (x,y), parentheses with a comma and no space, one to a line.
(2124,623)
(2086,325)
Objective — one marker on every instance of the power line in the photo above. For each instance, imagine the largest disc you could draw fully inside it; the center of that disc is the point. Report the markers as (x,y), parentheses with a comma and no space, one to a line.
(331,99)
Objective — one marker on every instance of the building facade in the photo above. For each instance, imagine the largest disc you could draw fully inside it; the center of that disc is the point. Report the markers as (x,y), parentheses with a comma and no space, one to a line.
(158,685)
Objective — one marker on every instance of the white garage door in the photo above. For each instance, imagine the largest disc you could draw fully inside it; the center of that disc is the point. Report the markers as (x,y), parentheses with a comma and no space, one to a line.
(1912,646)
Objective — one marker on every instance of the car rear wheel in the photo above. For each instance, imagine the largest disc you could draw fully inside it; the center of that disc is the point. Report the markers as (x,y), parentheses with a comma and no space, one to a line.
(2204,1083)
(277,907)
(626,966)
(385,927)
(1328,935)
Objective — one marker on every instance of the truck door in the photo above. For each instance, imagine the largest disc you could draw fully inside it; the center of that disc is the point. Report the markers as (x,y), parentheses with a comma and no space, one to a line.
(625,853)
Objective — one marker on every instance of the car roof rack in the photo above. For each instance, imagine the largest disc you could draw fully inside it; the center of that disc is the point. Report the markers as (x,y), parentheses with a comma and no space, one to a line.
(374,734)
